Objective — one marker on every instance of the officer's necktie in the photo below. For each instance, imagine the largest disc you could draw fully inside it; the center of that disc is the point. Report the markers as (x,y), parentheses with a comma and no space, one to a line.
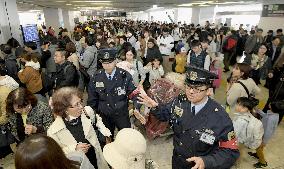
(193,110)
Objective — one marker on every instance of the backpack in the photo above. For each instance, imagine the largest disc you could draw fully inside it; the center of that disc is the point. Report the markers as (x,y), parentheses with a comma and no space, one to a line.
(231,43)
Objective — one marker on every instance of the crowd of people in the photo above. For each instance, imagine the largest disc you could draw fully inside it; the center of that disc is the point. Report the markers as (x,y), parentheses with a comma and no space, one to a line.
(134,72)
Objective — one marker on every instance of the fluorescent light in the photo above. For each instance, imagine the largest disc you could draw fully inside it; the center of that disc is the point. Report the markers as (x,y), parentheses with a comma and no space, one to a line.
(203,5)
(68,4)
(155,6)
(92,1)
(185,5)
(60,1)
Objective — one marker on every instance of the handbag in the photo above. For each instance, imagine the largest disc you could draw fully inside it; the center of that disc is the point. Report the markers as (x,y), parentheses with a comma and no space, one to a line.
(6,135)
(84,72)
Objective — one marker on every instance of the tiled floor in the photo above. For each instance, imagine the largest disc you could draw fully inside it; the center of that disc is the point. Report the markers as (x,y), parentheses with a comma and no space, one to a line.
(160,149)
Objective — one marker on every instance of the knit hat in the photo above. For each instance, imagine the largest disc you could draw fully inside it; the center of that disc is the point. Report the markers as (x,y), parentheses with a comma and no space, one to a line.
(127,151)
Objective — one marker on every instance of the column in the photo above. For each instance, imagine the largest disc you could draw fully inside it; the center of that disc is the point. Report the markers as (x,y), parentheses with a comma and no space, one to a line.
(54,18)
(195,15)
(9,21)
(206,14)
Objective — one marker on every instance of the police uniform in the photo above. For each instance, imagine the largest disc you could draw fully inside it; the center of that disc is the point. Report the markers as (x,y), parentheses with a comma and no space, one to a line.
(109,97)
(208,134)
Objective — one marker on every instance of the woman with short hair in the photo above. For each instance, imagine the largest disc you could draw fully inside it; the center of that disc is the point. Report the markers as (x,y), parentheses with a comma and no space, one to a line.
(26,114)
(73,128)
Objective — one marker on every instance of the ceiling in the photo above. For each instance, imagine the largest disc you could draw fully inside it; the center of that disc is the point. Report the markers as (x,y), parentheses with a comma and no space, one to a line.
(126,5)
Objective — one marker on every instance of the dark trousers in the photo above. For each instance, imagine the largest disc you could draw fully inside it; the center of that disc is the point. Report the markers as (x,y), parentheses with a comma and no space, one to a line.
(120,121)
(227,59)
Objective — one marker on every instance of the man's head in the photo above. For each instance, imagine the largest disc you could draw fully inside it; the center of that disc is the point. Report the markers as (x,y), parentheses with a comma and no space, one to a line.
(122,39)
(259,32)
(6,49)
(166,32)
(276,41)
(205,44)
(59,56)
(270,32)
(108,59)
(198,81)
(196,46)
(30,46)
(279,32)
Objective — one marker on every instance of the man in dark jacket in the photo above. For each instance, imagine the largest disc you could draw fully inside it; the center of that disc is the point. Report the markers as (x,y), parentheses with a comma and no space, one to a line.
(66,73)
(10,62)
(203,132)
(109,90)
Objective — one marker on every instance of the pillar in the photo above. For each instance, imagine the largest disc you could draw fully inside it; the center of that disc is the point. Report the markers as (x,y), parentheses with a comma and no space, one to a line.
(195,15)
(54,18)
(9,21)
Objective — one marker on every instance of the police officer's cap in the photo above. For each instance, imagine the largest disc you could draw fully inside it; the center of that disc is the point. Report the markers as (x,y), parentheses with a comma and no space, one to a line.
(199,76)
(107,55)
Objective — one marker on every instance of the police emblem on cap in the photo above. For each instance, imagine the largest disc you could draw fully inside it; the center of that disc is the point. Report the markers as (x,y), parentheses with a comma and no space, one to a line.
(106,55)
(193,76)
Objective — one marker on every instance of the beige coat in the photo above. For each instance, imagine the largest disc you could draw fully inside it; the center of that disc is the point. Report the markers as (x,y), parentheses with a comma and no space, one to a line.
(237,90)
(64,138)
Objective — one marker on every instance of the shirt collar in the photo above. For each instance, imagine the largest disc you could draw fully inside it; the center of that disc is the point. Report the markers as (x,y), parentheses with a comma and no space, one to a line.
(112,73)
(198,107)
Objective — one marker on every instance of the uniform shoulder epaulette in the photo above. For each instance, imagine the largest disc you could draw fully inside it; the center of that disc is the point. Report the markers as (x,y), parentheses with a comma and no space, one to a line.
(182,97)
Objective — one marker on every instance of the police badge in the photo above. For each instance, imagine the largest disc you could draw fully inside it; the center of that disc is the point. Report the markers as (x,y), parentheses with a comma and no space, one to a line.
(193,76)
(178,111)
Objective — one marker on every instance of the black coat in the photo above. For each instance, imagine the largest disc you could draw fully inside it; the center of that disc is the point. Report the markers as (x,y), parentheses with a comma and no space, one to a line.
(65,75)
(12,66)
(110,97)
(153,53)
(270,51)
(188,129)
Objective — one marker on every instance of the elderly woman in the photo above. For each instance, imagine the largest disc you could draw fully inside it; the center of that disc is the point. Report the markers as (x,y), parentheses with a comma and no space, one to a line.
(73,128)
(261,64)
(235,89)
(26,114)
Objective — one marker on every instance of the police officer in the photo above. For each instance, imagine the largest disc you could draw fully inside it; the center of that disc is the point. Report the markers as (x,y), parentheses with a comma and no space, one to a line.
(109,91)
(203,132)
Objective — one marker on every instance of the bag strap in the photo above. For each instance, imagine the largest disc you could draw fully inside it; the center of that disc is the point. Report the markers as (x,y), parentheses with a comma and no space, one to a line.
(244,86)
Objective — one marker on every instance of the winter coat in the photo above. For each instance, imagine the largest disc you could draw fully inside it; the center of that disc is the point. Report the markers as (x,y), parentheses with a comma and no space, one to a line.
(89,59)
(237,90)
(40,116)
(12,66)
(249,130)
(9,82)
(4,92)
(50,64)
(264,66)
(154,74)
(31,77)
(59,132)
(65,75)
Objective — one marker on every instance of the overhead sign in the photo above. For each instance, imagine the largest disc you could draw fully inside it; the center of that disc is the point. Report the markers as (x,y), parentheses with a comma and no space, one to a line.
(104,13)
(276,10)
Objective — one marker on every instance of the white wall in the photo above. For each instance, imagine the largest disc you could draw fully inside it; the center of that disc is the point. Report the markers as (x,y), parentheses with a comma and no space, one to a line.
(184,15)
(31,18)
(273,23)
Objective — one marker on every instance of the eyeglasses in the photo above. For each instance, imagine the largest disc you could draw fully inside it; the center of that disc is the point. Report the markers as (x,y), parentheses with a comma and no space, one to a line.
(195,89)
(77,105)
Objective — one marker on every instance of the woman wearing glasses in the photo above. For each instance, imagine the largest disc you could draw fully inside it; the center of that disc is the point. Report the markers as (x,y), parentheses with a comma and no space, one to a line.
(73,127)
(26,114)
